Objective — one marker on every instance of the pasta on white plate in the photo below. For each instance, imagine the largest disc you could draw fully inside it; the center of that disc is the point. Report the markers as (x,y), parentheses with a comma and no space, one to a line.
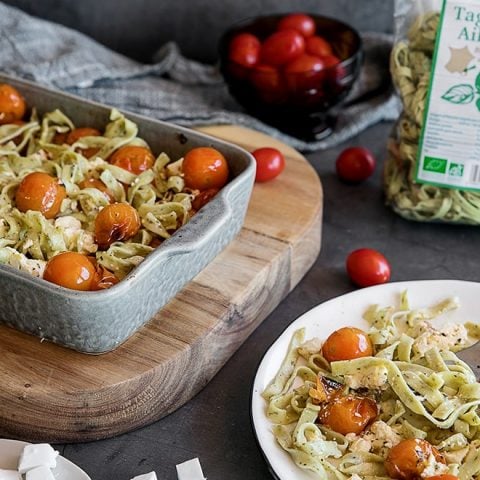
(400,404)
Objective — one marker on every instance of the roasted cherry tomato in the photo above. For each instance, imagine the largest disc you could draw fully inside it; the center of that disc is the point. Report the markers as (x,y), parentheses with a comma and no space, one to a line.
(318,46)
(282,47)
(76,134)
(99,185)
(116,222)
(367,267)
(347,343)
(270,163)
(408,459)
(244,49)
(133,159)
(103,278)
(12,104)
(203,198)
(349,414)
(204,168)
(300,22)
(70,270)
(355,164)
(40,192)
(445,476)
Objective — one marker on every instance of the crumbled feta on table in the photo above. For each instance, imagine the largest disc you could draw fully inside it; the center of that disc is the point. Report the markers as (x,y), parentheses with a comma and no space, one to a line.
(190,470)
(146,476)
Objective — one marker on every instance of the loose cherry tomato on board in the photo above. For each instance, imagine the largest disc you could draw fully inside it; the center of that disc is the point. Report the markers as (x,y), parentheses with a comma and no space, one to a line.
(445,476)
(355,164)
(318,46)
(244,49)
(270,163)
(115,222)
(347,343)
(99,185)
(132,158)
(203,198)
(349,414)
(303,24)
(408,459)
(367,267)
(204,168)
(12,104)
(70,270)
(41,192)
(282,47)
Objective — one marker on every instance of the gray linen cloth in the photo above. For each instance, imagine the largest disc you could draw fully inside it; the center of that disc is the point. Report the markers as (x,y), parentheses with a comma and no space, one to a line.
(172,88)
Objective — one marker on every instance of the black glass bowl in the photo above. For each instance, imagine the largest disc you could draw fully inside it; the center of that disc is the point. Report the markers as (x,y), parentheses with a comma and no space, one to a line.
(306,103)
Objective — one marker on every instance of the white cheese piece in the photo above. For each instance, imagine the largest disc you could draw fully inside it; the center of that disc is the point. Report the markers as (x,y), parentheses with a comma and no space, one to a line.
(37,455)
(9,475)
(190,470)
(382,436)
(39,473)
(372,377)
(451,336)
(146,476)
(434,468)
(360,445)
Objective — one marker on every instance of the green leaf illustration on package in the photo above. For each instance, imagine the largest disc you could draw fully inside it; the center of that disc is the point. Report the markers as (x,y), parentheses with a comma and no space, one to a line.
(459,94)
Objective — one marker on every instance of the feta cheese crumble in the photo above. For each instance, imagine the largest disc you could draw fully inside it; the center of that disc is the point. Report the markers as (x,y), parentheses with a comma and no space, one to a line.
(40,455)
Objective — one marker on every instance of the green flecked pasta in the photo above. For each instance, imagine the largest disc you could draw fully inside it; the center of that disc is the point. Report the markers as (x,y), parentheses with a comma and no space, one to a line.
(421,388)
(410,65)
(28,240)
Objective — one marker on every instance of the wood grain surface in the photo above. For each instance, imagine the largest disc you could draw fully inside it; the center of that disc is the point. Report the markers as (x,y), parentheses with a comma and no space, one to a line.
(49,393)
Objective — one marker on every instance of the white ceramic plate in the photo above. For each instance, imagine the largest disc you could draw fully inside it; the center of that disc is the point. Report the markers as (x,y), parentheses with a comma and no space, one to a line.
(10,451)
(347,310)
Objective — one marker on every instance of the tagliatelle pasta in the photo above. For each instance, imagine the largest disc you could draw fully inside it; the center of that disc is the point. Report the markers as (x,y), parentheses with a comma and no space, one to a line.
(421,389)
(29,239)
(411,65)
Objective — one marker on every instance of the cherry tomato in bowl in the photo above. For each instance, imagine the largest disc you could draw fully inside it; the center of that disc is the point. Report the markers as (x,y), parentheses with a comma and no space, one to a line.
(282,47)
(270,163)
(318,46)
(244,49)
(355,164)
(303,24)
(367,267)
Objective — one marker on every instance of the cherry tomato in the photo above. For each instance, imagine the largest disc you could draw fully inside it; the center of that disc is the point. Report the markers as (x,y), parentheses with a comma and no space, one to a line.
(116,222)
(40,192)
(244,49)
(367,267)
(305,73)
(203,198)
(99,185)
(318,46)
(444,476)
(266,77)
(282,47)
(133,159)
(347,343)
(103,278)
(76,134)
(355,164)
(300,22)
(204,168)
(349,414)
(70,270)
(330,60)
(12,104)
(408,459)
(270,163)
(305,63)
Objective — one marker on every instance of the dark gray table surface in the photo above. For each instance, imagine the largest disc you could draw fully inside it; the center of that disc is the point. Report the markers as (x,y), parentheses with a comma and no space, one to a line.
(215,425)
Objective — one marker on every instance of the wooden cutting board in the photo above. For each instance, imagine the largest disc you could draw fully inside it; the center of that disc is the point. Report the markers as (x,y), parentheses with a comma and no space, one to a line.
(53,394)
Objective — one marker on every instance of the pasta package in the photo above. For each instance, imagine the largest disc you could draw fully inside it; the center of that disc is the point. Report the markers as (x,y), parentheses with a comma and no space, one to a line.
(432,170)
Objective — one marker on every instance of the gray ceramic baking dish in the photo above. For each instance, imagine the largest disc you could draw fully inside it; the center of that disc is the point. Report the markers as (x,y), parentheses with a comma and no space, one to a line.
(97,322)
